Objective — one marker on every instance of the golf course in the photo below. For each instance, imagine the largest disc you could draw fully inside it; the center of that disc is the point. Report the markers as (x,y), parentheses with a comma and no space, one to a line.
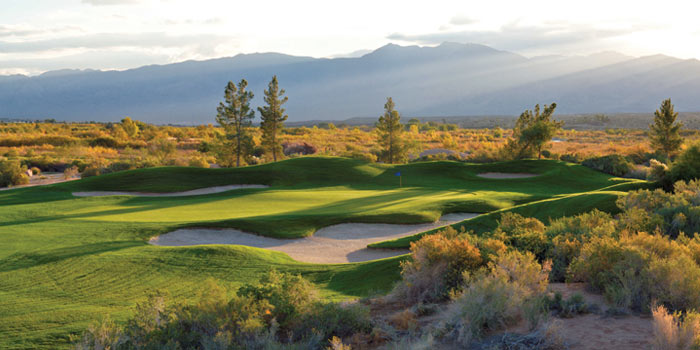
(66,260)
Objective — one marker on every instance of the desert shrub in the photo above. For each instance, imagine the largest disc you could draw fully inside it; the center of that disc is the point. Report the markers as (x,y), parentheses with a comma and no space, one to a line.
(574,305)
(335,320)
(568,234)
(103,334)
(70,173)
(613,164)
(525,234)
(640,172)
(687,166)
(104,141)
(119,166)
(198,162)
(672,213)
(571,158)
(366,156)
(247,320)
(436,267)
(657,171)
(54,140)
(91,171)
(302,148)
(12,173)
(638,268)
(288,295)
(162,149)
(673,331)
(495,297)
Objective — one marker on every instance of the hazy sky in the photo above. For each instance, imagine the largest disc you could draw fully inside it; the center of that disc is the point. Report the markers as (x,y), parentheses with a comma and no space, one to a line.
(41,35)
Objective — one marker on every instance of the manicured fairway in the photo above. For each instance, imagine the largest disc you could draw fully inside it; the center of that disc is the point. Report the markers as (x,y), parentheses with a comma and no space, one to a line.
(65,261)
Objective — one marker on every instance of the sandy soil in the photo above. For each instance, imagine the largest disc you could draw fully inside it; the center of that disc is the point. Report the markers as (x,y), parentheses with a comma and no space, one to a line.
(506,175)
(595,331)
(333,244)
(197,192)
(43,179)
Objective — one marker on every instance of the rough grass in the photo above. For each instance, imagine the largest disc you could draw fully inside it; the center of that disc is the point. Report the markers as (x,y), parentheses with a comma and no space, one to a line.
(65,261)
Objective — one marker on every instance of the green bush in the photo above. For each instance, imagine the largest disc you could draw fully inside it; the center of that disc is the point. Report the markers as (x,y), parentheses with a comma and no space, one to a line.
(613,164)
(104,141)
(281,312)
(687,166)
(525,234)
(671,213)
(568,234)
(91,171)
(12,173)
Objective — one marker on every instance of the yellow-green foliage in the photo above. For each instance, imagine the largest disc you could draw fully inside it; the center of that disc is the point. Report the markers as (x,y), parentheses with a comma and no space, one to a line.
(637,269)
(12,173)
(437,265)
(497,296)
(671,212)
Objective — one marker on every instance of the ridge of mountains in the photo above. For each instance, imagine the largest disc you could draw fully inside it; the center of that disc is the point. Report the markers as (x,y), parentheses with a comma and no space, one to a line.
(447,80)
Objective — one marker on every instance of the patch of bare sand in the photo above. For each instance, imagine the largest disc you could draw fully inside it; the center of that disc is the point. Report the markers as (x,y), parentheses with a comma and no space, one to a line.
(340,243)
(197,192)
(596,331)
(506,175)
(42,179)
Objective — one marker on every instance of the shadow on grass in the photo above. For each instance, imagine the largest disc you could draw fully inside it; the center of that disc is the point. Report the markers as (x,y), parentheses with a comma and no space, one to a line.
(47,256)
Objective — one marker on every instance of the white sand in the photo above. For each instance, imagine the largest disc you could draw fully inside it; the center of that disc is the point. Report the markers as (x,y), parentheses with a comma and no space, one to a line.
(506,175)
(197,192)
(333,244)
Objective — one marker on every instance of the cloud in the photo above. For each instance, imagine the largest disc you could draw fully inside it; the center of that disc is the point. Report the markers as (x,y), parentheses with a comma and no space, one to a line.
(109,2)
(518,37)
(462,20)
(114,40)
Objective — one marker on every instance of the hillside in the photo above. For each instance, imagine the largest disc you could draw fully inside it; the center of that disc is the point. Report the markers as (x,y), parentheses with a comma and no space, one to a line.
(448,80)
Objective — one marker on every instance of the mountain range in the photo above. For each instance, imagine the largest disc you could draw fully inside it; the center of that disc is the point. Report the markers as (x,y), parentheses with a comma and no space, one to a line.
(447,80)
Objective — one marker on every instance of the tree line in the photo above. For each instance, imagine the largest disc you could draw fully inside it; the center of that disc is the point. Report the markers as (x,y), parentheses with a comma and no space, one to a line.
(533,130)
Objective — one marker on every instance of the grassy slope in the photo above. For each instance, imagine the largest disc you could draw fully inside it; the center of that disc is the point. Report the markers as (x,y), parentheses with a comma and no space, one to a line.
(65,261)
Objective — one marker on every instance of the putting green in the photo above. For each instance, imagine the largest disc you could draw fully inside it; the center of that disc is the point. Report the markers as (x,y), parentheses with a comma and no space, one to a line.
(65,261)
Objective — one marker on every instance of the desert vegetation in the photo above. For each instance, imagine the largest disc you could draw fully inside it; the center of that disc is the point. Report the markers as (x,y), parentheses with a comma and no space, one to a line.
(615,211)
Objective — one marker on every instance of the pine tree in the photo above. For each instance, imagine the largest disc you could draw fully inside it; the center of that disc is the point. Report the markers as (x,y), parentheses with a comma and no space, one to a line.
(532,131)
(391,133)
(235,116)
(665,132)
(273,117)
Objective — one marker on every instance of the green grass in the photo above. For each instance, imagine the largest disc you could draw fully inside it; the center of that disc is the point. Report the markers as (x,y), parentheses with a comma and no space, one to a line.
(65,261)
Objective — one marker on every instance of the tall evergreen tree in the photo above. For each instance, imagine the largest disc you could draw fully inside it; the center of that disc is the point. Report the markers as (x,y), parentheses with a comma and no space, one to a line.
(235,116)
(273,117)
(391,133)
(532,131)
(665,132)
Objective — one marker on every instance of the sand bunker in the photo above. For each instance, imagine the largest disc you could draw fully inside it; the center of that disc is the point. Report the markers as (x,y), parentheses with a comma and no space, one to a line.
(197,192)
(333,244)
(506,175)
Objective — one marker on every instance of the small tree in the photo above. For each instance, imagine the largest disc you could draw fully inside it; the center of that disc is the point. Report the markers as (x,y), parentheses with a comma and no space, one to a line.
(236,116)
(130,127)
(391,133)
(272,117)
(532,131)
(665,132)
